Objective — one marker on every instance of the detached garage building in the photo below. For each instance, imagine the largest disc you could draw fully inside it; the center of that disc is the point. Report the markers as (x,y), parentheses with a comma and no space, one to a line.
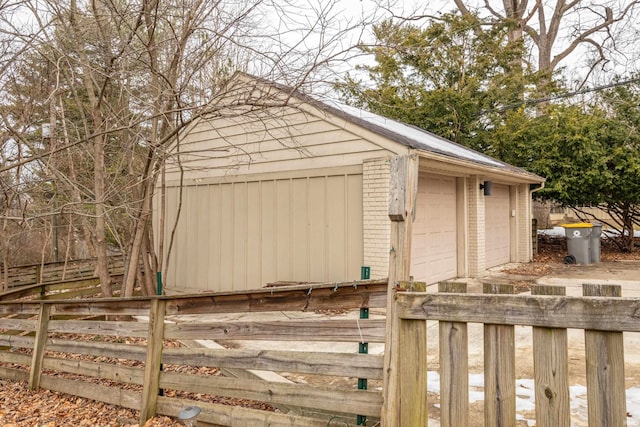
(276,186)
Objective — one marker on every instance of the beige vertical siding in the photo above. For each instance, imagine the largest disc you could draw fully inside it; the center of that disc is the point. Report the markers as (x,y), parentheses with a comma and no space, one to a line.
(227,242)
(243,235)
(335,235)
(299,242)
(213,214)
(201,227)
(255,247)
(283,231)
(266,262)
(317,227)
(354,218)
(498,226)
(523,241)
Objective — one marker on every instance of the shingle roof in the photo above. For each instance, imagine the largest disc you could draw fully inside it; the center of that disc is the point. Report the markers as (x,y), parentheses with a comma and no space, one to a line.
(412,136)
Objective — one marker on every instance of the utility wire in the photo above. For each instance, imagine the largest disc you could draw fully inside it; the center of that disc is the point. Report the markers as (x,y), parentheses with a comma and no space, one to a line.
(571,94)
(587,90)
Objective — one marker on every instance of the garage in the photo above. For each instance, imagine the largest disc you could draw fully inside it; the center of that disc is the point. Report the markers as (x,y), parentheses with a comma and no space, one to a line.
(497,229)
(434,244)
(299,192)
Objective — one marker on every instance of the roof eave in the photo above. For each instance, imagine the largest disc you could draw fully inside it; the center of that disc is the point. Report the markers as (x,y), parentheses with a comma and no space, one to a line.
(486,170)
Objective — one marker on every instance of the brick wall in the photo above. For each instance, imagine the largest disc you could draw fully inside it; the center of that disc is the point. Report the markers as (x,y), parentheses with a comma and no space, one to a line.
(476,228)
(376,223)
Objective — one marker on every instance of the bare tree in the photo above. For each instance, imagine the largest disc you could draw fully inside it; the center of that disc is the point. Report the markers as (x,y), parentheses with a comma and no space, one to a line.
(121,80)
(560,28)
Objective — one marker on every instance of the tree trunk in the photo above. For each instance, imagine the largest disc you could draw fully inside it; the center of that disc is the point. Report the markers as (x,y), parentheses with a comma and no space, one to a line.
(627,230)
(5,260)
(149,272)
(514,11)
(95,129)
(101,229)
(140,230)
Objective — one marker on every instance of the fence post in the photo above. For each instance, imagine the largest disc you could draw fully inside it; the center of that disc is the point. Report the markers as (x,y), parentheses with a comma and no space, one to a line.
(38,346)
(499,368)
(606,399)
(551,369)
(154,360)
(38,274)
(412,373)
(454,366)
(403,187)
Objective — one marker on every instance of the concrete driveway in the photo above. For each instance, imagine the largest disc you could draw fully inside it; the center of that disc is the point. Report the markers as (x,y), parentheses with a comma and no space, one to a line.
(624,273)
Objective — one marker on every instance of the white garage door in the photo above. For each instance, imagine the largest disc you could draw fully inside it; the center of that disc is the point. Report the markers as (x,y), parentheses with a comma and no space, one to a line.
(434,251)
(497,233)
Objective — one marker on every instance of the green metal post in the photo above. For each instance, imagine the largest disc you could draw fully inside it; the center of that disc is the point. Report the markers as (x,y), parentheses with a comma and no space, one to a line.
(365,274)
(159,280)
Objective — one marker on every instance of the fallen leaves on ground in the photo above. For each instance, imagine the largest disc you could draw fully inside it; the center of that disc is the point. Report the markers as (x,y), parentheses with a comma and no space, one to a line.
(551,253)
(20,407)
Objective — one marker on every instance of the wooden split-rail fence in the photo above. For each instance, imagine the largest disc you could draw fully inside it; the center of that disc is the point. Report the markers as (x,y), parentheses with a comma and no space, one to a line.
(54,272)
(151,354)
(61,280)
(158,355)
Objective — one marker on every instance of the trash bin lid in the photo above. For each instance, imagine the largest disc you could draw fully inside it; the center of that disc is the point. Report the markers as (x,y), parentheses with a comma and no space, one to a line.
(578,225)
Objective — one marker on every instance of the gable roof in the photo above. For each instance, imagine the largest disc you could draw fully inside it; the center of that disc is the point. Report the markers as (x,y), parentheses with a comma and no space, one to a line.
(410,135)
(405,134)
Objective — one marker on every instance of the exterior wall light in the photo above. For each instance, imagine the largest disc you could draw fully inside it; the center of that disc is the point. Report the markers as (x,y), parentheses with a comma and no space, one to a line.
(486,186)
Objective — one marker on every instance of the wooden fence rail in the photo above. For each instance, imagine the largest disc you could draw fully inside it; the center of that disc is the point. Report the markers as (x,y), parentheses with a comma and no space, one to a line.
(57,272)
(68,289)
(601,313)
(124,351)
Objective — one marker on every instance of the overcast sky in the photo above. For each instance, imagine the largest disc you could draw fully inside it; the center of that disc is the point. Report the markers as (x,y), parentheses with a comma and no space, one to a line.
(311,31)
(327,39)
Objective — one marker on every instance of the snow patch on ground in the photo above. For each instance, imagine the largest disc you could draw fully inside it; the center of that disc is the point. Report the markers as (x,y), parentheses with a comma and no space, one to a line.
(559,231)
(525,398)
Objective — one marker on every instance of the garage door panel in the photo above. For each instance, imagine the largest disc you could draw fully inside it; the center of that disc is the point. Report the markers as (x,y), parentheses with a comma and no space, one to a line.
(434,251)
